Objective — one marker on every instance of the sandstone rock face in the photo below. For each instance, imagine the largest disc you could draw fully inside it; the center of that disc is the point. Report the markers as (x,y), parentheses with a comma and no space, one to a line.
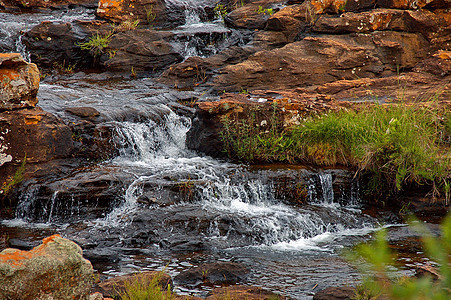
(318,60)
(36,134)
(19,82)
(197,70)
(243,292)
(220,273)
(54,270)
(142,49)
(121,10)
(248,16)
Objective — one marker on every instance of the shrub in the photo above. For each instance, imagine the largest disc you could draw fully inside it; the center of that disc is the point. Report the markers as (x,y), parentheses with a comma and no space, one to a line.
(376,259)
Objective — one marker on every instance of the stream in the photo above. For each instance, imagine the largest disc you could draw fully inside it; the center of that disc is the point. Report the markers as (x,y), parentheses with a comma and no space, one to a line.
(167,207)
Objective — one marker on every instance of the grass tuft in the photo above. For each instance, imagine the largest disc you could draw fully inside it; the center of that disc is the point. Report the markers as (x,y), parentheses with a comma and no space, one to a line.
(142,288)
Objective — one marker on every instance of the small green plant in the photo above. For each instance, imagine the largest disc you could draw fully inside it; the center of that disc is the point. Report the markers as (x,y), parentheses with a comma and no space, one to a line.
(141,288)
(265,11)
(376,260)
(16,179)
(244,91)
(310,14)
(132,72)
(96,44)
(150,15)
(220,11)
(65,68)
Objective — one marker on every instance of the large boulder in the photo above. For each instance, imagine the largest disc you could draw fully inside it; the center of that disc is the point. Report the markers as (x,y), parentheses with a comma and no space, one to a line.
(249,16)
(243,292)
(35,134)
(19,82)
(55,269)
(140,50)
(318,60)
(152,12)
(56,45)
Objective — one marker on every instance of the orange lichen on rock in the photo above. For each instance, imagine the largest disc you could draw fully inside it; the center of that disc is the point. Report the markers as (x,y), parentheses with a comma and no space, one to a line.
(50,239)
(8,75)
(442,54)
(32,120)
(14,256)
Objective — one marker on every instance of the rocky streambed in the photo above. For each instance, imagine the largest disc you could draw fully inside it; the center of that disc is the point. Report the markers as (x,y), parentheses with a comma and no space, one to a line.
(123,152)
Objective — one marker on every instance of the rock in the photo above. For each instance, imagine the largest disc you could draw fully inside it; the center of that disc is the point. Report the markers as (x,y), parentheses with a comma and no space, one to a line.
(113,286)
(318,60)
(339,6)
(428,271)
(405,4)
(243,292)
(291,20)
(438,64)
(57,45)
(218,273)
(36,134)
(195,70)
(151,12)
(144,50)
(55,269)
(335,293)
(19,82)
(83,112)
(248,16)
(204,134)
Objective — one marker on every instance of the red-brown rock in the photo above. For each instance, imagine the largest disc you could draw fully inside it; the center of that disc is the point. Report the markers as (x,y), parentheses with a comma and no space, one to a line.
(19,82)
(318,60)
(140,49)
(36,134)
(243,292)
(121,10)
(248,16)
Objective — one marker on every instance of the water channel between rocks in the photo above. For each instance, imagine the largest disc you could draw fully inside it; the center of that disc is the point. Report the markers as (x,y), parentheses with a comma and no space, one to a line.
(173,207)
(166,207)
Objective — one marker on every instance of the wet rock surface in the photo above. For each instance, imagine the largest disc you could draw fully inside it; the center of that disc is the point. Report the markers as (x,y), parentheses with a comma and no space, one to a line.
(68,275)
(220,273)
(335,293)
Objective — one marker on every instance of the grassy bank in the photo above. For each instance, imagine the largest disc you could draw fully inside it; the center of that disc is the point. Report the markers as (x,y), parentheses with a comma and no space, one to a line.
(395,146)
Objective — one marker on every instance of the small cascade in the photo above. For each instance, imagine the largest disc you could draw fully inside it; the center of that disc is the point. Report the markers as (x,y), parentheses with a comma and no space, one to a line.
(52,206)
(27,203)
(326,187)
(249,213)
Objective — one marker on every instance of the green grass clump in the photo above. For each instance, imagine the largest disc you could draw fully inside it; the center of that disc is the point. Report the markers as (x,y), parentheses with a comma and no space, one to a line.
(16,179)
(142,288)
(376,260)
(96,44)
(394,145)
